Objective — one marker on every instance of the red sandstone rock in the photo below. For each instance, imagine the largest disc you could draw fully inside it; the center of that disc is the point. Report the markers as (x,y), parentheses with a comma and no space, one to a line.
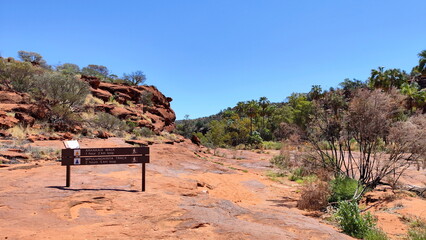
(11,155)
(195,140)
(10,97)
(25,119)
(121,112)
(7,122)
(103,134)
(102,94)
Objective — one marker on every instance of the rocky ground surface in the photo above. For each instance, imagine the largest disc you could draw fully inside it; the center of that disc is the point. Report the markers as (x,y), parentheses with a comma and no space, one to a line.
(191,194)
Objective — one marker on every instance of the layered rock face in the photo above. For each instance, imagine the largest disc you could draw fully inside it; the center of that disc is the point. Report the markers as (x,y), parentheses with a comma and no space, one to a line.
(145,106)
(16,108)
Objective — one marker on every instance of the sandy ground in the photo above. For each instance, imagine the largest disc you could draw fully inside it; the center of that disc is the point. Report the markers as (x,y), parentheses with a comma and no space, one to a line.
(191,194)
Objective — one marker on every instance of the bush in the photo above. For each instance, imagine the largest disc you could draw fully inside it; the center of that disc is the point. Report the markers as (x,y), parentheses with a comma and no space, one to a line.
(143,132)
(109,122)
(297,174)
(352,222)
(314,196)
(17,75)
(146,99)
(272,145)
(343,188)
(280,161)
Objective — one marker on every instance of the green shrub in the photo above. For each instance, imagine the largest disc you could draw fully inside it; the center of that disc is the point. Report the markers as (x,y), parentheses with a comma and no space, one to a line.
(143,132)
(343,188)
(297,174)
(352,222)
(109,122)
(17,75)
(146,99)
(272,145)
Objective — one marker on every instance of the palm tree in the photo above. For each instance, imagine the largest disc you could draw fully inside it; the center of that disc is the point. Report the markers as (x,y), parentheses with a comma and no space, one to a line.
(422,62)
(252,111)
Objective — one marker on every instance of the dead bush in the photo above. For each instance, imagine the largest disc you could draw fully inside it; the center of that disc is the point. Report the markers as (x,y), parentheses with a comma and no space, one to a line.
(314,196)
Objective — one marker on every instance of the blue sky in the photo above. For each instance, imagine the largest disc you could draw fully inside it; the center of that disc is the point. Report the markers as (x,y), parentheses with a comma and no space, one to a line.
(208,55)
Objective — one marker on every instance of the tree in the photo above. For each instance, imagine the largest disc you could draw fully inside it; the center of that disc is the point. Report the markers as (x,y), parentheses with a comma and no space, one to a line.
(387,79)
(63,94)
(17,75)
(315,93)
(95,71)
(416,98)
(422,62)
(34,58)
(68,68)
(135,78)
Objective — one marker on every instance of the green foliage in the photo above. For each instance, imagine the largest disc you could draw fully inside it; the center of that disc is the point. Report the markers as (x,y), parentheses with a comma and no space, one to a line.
(416,98)
(255,138)
(95,71)
(60,89)
(352,222)
(68,68)
(422,62)
(18,76)
(108,122)
(387,79)
(375,234)
(272,145)
(417,229)
(34,58)
(143,132)
(343,188)
(297,174)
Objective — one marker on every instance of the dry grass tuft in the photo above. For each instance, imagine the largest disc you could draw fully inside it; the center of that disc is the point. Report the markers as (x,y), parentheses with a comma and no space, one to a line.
(314,196)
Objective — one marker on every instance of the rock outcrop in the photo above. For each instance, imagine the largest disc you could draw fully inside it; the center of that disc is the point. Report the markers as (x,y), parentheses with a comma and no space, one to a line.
(145,106)
(16,108)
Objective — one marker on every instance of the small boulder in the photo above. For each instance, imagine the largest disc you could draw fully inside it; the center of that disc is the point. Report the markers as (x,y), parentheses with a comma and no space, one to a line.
(195,140)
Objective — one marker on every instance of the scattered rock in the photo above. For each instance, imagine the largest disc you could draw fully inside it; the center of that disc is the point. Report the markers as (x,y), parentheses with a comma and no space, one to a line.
(140,142)
(103,134)
(195,140)
(12,155)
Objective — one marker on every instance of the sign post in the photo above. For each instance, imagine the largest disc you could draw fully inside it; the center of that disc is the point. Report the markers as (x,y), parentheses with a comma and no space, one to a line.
(99,156)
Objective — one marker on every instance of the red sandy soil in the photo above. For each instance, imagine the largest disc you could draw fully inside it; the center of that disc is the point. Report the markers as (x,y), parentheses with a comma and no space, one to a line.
(191,194)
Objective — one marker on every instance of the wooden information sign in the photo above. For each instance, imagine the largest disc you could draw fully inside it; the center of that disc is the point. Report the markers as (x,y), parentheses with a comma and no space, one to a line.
(98,156)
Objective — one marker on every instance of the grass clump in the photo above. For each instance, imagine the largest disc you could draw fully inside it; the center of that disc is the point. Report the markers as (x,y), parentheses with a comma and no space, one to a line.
(417,230)
(375,234)
(272,145)
(279,161)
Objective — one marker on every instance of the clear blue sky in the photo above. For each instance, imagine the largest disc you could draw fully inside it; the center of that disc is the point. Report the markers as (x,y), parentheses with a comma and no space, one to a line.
(209,54)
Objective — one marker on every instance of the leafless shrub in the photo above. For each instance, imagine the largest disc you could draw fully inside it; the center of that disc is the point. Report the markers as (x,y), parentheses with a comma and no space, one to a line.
(371,120)
(314,196)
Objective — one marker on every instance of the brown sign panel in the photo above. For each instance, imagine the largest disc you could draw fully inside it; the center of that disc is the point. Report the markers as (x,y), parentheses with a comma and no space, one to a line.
(72,153)
(105,160)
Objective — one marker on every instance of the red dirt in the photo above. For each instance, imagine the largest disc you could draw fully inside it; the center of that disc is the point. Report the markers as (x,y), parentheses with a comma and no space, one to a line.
(190,194)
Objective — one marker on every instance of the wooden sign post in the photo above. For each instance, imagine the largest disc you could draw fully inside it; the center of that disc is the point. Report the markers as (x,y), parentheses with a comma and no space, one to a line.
(98,156)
